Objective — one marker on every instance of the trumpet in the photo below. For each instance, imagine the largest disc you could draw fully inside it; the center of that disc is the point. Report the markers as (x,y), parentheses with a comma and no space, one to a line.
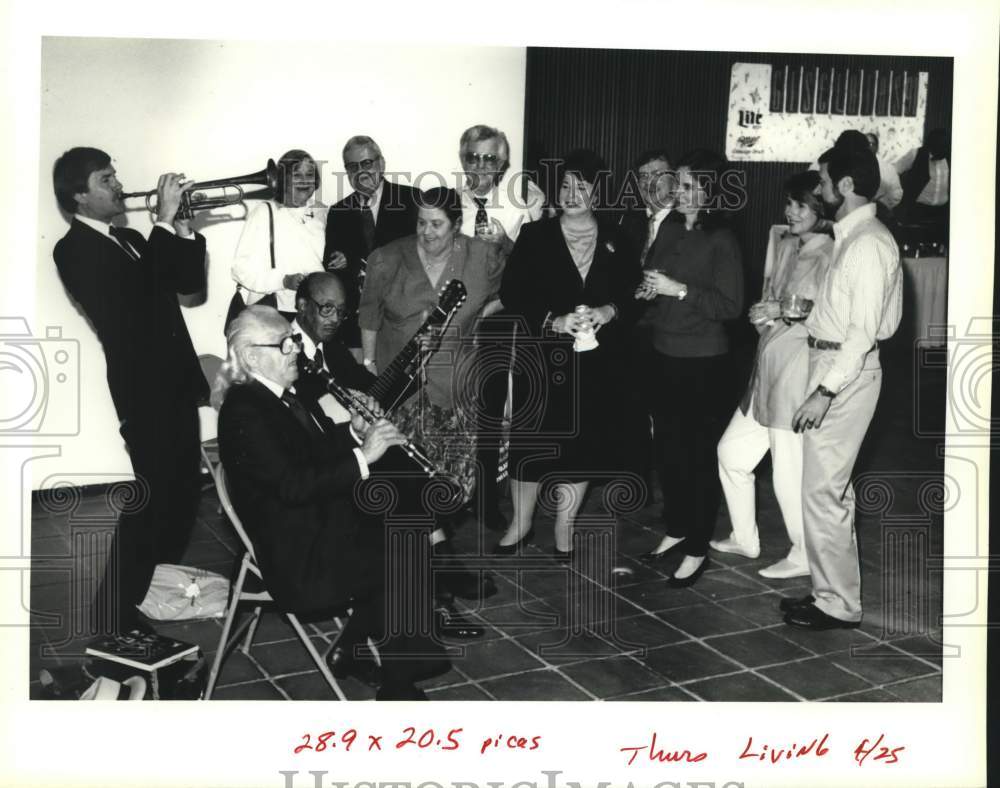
(356,404)
(271,178)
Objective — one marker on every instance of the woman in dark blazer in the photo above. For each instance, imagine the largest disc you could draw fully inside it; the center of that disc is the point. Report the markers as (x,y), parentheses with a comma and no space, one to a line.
(571,280)
(693,283)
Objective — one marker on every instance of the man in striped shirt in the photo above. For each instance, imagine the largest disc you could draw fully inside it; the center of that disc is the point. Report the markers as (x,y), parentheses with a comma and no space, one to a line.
(859,304)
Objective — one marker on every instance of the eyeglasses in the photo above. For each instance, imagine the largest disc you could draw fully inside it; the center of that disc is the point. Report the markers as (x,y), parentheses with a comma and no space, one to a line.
(364,164)
(326,310)
(481,158)
(287,345)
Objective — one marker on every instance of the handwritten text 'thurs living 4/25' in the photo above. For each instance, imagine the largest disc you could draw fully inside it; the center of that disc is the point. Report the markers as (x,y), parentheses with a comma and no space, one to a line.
(867,750)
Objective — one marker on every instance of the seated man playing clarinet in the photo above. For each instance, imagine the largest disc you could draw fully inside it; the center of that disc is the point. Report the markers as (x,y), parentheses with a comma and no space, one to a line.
(321,305)
(295,478)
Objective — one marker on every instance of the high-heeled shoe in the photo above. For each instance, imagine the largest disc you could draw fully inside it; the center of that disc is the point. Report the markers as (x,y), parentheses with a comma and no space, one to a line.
(691,579)
(651,559)
(511,549)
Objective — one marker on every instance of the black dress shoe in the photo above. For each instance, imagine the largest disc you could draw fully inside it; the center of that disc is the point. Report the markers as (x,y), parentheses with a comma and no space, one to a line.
(691,579)
(652,559)
(811,617)
(343,663)
(790,603)
(464,584)
(426,668)
(401,691)
(512,549)
(449,623)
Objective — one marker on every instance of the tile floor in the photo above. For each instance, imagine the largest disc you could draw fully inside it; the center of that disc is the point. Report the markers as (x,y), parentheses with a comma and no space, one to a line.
(588,632)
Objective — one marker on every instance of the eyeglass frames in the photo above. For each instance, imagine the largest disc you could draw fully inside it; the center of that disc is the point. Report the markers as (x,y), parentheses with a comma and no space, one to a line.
(480,158)
(365,164)
(326,310)
(287,345)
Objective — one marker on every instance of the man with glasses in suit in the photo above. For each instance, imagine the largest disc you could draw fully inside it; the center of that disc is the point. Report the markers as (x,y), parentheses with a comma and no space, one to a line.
(376,212)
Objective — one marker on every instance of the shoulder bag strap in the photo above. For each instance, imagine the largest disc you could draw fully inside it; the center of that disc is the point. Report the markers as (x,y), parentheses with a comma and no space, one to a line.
(270,227)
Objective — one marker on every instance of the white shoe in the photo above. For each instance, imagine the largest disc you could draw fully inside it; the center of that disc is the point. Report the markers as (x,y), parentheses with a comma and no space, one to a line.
(784,569)
(730,545)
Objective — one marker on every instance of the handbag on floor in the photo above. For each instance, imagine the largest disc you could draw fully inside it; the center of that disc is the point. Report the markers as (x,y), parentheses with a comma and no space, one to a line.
(237,303)
(178,592)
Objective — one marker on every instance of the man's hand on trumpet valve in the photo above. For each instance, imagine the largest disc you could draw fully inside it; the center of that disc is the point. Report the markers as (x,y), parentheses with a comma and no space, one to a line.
(381,435)
(170,191)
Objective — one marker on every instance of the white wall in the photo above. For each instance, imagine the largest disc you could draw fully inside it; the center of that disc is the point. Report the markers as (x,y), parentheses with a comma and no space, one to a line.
(216,109)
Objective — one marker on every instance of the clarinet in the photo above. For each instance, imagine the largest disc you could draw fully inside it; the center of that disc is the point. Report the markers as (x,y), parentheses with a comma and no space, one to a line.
(355,404)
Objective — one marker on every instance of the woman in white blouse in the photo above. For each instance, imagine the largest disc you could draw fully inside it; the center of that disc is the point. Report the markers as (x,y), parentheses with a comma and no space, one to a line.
(299,223)
(797,261)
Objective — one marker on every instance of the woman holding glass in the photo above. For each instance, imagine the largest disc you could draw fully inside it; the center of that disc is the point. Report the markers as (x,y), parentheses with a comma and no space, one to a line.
(571,280)
(694,283)
(796,262)
(283,238)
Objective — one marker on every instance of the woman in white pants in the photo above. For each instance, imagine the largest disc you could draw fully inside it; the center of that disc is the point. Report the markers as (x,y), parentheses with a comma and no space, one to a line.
(797,259)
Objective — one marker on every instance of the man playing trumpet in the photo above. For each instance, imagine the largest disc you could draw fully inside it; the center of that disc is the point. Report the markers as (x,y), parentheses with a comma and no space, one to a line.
(127,286)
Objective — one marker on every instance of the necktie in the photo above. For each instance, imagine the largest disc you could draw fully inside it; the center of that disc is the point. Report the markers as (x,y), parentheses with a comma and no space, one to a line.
(119,235)
(367,225)
(650,237)
(301,414)
(482,220)
(318,358)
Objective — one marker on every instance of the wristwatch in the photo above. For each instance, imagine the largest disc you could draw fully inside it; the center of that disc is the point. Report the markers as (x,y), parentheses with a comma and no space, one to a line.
(826,392)
(683,293)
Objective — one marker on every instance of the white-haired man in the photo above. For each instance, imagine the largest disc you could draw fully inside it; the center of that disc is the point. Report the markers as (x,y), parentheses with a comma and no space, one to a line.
(496,203)
(293,474)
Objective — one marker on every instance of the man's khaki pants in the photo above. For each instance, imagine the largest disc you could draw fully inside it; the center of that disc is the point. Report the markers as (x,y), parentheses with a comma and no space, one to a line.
(828,459)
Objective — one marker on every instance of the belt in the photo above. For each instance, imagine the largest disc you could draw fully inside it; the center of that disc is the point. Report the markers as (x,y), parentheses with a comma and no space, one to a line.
(825,344)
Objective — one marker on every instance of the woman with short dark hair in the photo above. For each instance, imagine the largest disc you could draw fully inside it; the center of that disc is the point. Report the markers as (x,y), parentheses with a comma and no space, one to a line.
(570,278)
(403,285)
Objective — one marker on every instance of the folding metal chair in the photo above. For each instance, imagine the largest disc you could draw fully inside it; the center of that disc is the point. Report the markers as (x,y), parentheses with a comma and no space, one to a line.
(208,419)
(239,594)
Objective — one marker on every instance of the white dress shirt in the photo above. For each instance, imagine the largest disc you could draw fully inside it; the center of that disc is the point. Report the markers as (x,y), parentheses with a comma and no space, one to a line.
(374,201)
(655,220)
(277,390)
(299,237)
(860,298)
(338,413)
(505,204)
(104,228)
(936,190)
(890,190)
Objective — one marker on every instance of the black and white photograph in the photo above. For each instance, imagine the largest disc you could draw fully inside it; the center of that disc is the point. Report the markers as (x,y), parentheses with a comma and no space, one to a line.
(402,370)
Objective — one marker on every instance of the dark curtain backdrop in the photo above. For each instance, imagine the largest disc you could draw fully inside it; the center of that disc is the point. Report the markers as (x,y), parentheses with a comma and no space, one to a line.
(621,102)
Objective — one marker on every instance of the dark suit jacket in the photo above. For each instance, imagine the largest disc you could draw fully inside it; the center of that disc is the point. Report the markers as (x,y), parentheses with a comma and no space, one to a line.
(342,365)
(541,280)
(293,491)
(397,218)
(133,308)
